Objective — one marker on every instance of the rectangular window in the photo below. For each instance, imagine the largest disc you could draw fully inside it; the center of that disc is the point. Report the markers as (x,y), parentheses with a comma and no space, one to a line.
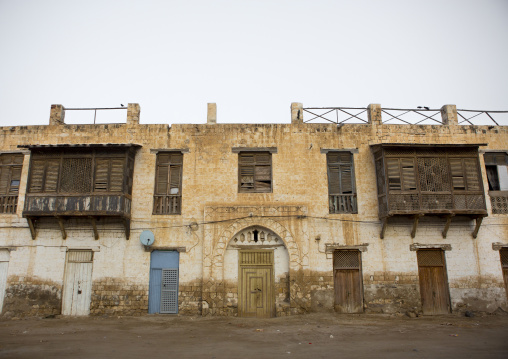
(341,182)
(255,172)
(10,177)
(496,165)
(77,174)
(168,183)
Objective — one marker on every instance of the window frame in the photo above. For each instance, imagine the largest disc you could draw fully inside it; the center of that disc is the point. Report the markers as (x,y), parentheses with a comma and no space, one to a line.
(9,205)
(164,208)
(347,206)
(257,176)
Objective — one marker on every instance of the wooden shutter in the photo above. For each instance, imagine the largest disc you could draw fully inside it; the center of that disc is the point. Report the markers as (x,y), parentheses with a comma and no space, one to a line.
(51,175)
(255,172)
(333,179)
(346,179)
(393,172)
(37,175)
(408,174)
(116,178)
(101,175)
(161,186)
(175,173)
(340,173)
(457,173)
(472,175)
(4,179)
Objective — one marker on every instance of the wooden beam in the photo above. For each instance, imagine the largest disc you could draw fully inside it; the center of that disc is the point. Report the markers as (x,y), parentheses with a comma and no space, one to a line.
(94,225)
(383,229)
(127,225)
(447,225)
(415,225)
(31,225)
(62,228)
(477,227)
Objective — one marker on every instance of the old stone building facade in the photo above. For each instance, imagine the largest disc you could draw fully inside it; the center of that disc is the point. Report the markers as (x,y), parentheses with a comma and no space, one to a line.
(252,219)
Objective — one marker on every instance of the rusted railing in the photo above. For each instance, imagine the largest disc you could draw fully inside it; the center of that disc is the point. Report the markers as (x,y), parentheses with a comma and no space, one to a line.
(344,203)
(8,204)
(418,116)
(95,109)
(166,204)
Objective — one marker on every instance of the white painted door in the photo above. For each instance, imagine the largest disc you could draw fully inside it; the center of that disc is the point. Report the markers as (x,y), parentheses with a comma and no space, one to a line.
(77,291)
(4,266)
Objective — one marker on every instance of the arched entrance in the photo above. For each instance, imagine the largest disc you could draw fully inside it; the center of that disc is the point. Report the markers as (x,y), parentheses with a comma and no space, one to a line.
(257,261)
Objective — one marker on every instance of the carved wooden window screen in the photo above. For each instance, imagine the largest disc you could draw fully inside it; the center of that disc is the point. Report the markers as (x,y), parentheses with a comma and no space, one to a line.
(256,257)
(10,177)
(254,172)
(168,183)
(430,258)
(73,174)
(346,259)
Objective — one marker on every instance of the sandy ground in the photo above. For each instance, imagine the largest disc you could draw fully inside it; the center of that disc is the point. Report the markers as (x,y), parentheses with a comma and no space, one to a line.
(306,336)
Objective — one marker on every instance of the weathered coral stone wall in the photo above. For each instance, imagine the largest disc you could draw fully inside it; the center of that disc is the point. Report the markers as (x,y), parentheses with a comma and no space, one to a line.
(213,211)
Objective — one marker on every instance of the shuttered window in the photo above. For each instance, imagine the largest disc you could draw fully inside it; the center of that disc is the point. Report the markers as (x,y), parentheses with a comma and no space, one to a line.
(61,174)
(465,175)
(255,172)
(168,183)
(341,182)
(10,176)
(401,174)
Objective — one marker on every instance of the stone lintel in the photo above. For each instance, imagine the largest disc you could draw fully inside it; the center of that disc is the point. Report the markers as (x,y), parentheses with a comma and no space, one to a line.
(497,246)
(330,247)
(416,246)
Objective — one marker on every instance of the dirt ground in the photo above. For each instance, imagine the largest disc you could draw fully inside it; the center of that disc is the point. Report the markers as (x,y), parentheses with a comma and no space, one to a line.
(306,336)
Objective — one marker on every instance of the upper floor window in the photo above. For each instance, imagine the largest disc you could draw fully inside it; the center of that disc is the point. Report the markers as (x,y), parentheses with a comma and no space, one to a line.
(168,183)
(496,165)
(10,176)
(341,182)
(255,172)
(80,172)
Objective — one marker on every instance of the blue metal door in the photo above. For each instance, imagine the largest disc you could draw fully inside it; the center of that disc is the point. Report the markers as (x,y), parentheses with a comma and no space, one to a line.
(163,291)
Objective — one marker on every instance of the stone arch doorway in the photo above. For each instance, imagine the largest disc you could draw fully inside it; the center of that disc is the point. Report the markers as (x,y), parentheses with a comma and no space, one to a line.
(256,267)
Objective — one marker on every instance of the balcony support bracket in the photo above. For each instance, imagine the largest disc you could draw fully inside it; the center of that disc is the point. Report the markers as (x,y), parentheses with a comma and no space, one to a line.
(383,229)
(62,227)
(447,225)
(94,226)
(477,227)
(416,219)
(31,224)
(127,225)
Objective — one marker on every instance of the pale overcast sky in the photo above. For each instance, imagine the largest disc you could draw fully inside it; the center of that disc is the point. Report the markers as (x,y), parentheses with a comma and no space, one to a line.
(253,58)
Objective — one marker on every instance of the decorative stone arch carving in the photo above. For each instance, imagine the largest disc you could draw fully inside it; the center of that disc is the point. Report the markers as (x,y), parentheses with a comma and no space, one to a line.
(286,236)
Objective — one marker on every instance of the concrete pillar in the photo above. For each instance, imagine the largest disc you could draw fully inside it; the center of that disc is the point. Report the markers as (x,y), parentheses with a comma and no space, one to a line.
(296,112)
(374,114)
(57,115)
(211,116)
(133,113)
(449,115)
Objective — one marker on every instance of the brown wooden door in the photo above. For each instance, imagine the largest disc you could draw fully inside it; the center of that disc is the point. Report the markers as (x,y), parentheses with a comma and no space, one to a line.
(433,282)
(256,294)
(347,281)
(504,264)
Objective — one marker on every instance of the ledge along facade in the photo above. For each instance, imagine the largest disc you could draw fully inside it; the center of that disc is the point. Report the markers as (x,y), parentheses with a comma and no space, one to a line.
(253,220)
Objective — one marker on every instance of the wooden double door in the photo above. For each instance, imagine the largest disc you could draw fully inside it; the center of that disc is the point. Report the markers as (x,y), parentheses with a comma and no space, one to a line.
(433,282)
(255,290)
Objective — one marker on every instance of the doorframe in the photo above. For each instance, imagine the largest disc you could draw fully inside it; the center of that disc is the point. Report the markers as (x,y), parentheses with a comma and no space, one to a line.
(64,303)
(272,278)
(445,275)
(360,275)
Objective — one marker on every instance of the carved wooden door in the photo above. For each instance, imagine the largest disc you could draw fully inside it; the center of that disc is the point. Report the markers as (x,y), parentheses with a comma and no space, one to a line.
(433,282)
